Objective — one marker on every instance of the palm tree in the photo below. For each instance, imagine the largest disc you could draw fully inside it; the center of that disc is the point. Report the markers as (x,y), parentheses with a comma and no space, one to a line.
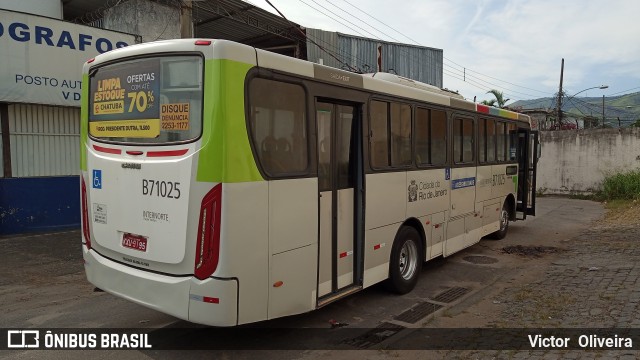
(491,102)
(499,100)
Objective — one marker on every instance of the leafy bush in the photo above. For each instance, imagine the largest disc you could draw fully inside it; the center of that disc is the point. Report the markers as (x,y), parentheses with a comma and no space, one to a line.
(621,186)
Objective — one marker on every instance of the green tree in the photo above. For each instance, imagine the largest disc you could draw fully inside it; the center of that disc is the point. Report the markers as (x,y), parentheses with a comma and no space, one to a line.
(591,122)
(499,100)
(636,124)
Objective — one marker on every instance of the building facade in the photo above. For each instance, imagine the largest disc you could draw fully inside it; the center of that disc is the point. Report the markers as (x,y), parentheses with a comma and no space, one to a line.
(43,45)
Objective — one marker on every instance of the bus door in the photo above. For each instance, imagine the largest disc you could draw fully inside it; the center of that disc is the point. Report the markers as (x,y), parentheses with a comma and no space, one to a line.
(340,180)
(527,163)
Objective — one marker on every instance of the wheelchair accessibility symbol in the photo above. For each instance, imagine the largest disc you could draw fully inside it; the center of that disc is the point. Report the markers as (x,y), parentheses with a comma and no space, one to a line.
(97,179)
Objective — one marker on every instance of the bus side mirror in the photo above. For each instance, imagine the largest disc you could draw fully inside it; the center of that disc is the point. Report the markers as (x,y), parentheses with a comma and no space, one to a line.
(539,151)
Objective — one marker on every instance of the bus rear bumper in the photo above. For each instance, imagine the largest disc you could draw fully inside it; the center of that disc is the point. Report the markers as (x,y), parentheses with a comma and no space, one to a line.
(210,302)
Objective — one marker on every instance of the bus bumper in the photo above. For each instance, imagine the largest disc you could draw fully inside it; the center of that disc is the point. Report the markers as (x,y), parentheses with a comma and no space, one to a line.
(211,302)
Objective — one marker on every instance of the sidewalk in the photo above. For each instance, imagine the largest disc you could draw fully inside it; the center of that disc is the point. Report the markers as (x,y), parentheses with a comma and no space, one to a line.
(593,283)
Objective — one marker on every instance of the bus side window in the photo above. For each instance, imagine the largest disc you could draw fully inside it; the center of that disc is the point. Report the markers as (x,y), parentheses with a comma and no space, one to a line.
(463,141)
(379,136)
(423,136)
(438,137)
(501,142)
(400,134)
(278,126)
(487,140)
(512,142)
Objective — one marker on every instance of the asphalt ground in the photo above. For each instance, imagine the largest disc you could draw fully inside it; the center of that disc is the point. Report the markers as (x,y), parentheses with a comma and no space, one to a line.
(546,257)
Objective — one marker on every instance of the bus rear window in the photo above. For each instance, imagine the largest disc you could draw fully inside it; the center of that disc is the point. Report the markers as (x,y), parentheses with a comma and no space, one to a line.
(150,101)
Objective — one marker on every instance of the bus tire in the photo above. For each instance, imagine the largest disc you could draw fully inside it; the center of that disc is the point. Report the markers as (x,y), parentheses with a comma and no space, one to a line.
(406,261)
(504,224)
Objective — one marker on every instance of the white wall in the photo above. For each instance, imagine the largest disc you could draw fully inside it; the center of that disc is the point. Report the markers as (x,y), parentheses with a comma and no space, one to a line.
(50,8)
(577,161)
(150,20)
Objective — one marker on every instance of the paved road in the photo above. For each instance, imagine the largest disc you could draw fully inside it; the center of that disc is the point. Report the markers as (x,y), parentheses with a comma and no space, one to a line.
(45,286)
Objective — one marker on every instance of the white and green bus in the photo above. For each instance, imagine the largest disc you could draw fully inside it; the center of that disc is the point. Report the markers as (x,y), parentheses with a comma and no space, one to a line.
(224,184)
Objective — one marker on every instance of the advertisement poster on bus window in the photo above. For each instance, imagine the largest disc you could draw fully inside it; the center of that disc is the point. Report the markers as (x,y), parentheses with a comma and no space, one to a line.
(125,100)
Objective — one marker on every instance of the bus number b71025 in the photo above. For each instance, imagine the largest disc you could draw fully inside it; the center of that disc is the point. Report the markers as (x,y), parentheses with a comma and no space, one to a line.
(165,189)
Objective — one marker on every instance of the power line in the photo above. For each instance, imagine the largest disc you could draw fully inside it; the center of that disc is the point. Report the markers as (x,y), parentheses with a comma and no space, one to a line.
(474,83)
(495,85)
(456,69)
(455,63)
(620,92)
(305,35)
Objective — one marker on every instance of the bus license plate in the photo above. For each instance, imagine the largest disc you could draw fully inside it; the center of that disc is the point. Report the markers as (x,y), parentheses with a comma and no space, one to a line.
(135,242)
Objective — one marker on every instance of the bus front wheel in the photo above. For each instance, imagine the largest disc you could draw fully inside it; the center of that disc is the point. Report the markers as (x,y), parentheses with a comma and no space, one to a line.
(406,261)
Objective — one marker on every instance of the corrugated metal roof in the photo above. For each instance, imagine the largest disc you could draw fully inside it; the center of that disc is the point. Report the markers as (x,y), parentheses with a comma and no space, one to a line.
(234,20)
(245,23)
(419,63)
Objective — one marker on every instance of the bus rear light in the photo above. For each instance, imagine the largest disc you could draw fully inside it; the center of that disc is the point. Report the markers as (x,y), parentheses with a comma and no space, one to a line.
(107,150)
(167,153)
(208,241)
(211,300)
(203,42)
(91,60)
(85,215)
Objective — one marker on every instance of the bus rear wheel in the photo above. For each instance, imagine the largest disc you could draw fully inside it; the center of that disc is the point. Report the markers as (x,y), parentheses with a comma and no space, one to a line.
(504,224)
(406,261)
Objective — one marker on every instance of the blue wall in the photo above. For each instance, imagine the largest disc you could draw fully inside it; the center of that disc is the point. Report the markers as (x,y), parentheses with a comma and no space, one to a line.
(39,204)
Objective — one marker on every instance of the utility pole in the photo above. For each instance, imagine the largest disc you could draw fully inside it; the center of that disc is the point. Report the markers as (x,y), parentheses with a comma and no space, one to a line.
(186,24)
(559,105)
(603,111)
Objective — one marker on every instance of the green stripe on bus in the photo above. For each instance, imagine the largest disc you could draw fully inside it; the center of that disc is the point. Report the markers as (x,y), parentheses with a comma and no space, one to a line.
(515,184)
(226,154)
(84,121)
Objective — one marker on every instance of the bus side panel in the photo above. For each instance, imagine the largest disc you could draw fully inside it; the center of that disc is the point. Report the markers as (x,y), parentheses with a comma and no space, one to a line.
(244,246)
(293,214)
(503,184)
(386,199)
(377,253)
(491,217)
(428,192)
(293,246)
(484,188)
(296,270)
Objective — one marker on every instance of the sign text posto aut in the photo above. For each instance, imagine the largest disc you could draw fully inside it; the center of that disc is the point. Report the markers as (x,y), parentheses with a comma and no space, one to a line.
(43,57)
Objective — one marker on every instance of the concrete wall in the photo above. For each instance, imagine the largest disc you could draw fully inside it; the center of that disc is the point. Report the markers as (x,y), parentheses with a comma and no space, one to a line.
(576,162)
(50,8)
(150,20)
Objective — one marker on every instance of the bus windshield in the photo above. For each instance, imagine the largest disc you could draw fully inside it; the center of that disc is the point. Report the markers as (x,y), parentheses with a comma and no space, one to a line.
(154,100)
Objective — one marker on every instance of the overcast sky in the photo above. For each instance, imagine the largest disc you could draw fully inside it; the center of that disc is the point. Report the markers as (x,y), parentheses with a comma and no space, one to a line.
(515,46)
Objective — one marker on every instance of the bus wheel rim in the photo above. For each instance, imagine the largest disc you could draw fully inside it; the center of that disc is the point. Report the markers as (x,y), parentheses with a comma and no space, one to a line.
(504,220)
(408,259)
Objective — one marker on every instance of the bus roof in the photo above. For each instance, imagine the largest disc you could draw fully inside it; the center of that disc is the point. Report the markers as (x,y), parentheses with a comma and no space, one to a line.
(380,82)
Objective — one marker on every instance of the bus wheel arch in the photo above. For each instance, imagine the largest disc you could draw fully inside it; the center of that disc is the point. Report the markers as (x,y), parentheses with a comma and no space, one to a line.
(417,225)
(507,213)
(406,259)
(510,203)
